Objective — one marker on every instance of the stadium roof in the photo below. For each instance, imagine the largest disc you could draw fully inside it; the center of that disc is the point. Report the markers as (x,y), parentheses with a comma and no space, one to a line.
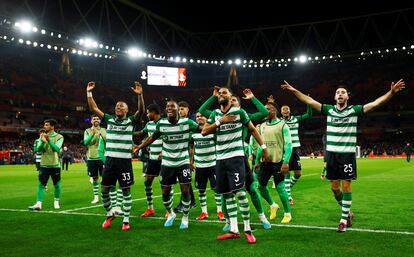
(212,28)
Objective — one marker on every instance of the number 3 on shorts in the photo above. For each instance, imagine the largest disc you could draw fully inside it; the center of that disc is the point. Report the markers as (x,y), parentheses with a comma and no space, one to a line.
(126,176)
(237,177)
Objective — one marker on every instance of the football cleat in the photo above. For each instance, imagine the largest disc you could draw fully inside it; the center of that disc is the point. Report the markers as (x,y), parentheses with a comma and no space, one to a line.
(220,215)
(250,237)
(286,219)
(273,212)
(170,220)
(125,226)
(203,216)
(107,222)
(147,213)
(229,235)
(341,227)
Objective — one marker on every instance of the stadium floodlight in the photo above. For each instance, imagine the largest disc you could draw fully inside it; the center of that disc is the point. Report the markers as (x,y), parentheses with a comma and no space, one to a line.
(403,48)
(237,62)
(316,58)
(208,62)
(134,52)
(198,61)
(59,35)
(251,61)
(73,51)
(295,59)
(289,59)
(49,46)
(24,26)
(79,52)
(267,65)
(88,43)
(303,58)
(21,41)
(51,34)
(35,44)
(244,61)
(203,61)
(42,45)
(279,65)
(221,62)
(43,31)
(184,59)
(28,42)
(96,55)
(191,60)
(229,62)
(412,46)
(35,29)
(177,59)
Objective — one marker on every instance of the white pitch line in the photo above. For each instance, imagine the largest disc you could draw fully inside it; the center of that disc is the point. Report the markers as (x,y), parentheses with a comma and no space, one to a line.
(221,222)
(100,205)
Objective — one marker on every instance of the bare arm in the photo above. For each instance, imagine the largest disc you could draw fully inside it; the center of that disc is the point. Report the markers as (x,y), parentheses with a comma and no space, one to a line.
(146,142)
(141,105)
(302,97)
(259,139)
(91,103)
(385,98)
(211,128)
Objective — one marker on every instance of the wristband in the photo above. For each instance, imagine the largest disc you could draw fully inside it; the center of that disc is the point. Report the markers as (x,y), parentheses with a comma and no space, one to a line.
(217,123)
(263,146)
(89,94)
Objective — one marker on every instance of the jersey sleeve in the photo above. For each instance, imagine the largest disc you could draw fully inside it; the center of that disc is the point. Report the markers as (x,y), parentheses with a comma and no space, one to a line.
(359,109)
(325,108)
(194,127)
(244,117)
(212,117)
(106,117)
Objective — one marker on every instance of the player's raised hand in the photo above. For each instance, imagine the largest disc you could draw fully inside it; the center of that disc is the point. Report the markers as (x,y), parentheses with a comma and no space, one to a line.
(248,94)
(216,91)
(137,88)
(90,86)
(396,87)
(270,99)
(287,86)
(227,118)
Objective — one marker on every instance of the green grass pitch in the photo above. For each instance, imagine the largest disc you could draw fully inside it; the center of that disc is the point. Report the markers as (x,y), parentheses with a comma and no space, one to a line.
(383,204)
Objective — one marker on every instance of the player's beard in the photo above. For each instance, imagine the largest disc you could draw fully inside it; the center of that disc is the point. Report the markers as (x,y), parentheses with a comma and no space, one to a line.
(224,102)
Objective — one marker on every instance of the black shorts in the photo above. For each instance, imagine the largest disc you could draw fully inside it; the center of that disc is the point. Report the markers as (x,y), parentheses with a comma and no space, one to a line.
(249,173)
(153,168)
(117,169)
(95,168)
(269,169)
(203,175)
(38,166)
(230,174)
(169,175)
(294,162)
(45,173)
(341,166)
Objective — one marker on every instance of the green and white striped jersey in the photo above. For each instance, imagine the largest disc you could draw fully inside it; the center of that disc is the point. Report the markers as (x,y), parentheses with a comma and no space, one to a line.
(156,147)
(341,130)
(175,141)
(38,155)
(119,135)
(293,124)
(229,136)
(204,150)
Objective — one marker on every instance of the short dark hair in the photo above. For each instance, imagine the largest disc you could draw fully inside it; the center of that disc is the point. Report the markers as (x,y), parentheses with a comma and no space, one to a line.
(237,97)
(52,122)
(274,105)
(154,108)
(95,115)
(183,104)
(229,89)
(344,86)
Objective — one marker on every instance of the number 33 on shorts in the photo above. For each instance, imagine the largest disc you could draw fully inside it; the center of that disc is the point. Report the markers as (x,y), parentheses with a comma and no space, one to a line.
(126,176)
